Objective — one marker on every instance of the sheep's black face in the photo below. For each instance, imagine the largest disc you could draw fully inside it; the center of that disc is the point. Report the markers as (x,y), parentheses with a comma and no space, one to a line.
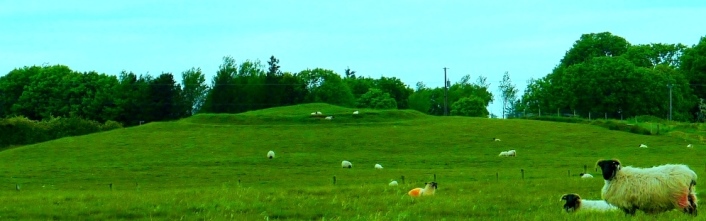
(432,184)
(581,174)
(572,201)
(609,168)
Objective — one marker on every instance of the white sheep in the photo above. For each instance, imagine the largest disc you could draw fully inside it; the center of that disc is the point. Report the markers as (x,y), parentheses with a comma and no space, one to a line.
(355,112)
(574,203)
(496,139)
(378,166)
(346,164)
(428,190)
(393,183)
(329,117)
(643,146)
(271,154)
(585,175)
(651,190)
(319,113)
(689,146)
(509,153)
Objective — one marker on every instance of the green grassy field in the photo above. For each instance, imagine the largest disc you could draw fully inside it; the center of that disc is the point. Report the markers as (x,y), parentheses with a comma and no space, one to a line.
(214,167)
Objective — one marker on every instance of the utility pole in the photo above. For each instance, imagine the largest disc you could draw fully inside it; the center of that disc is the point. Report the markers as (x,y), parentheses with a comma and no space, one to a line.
(446,96)
(670,101)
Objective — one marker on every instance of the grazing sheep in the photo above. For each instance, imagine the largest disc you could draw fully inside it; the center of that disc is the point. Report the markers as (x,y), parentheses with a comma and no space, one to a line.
(393,183)
(689,146)
(509,153)
(585,175)
(319,113)
(378,166)
(355,112)
(346,164)
(496,139)
(428,190)
(329,117)
(643,146)
(651,190)
(574,203)
(271,154)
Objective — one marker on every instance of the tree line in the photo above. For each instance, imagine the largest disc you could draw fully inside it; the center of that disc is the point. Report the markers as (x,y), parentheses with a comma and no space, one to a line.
(44,92)
(604,73)
(601,73)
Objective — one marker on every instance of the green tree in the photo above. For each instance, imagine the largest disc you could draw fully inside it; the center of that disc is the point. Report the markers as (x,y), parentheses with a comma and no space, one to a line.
(273,89)
(508,92)
(294,89)
(223,95)
(397,90)
(165,101)
(326,86)
(12,86)
(194,90)
(595,45)
(469,106)
(377,99)
(693,64)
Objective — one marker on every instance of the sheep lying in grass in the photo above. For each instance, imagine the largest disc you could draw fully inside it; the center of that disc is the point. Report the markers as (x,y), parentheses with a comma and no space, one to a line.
(509,153)
(393,183)
(378,166)
(355,112)
(496,139)
(643,146)
(271,154)
(346,164)
(690,146)
(428,190)
(651,190)
(329,118)
(574,203)
(585,175)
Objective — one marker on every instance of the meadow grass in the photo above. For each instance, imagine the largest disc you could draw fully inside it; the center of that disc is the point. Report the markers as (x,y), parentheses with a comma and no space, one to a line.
(214,167)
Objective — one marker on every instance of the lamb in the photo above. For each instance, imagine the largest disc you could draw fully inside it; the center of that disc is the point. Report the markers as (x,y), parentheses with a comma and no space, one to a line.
(428,190)
(271,154)
(509,153)
(378,166)
(689,146)
(585,175)
(651,190)
(496,139)
(393,183)
(574,203)
(643,146)
(346,164)
(355,112)
(329,117)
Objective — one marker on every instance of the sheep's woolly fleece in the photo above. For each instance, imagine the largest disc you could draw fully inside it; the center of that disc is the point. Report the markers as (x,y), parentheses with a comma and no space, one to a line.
(652,190)
(429,190)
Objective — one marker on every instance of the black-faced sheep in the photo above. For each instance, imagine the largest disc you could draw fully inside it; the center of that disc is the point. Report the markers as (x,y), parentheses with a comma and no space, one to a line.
(428,190)
(574,203)
(651,190)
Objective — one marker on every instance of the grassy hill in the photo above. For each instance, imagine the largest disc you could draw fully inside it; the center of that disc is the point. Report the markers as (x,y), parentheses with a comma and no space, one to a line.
(213,167)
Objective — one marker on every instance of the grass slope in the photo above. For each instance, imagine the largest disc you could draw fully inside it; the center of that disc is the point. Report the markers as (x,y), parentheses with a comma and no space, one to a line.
(213,167)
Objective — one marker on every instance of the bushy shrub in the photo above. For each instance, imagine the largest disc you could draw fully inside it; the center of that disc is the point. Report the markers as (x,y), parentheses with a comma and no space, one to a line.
(20,130)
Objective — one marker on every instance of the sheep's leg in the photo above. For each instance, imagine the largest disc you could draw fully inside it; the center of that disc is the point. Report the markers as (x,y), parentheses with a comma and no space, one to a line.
(691,209)
(630,211)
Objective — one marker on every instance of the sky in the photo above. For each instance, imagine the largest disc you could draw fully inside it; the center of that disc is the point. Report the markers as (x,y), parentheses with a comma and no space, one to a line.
(412,40)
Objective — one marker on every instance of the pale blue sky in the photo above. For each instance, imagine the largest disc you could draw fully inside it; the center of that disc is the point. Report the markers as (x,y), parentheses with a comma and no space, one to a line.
(411,40)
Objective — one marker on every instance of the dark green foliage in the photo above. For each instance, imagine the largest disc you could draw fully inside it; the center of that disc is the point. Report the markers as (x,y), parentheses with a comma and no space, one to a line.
(471,106)
(609,124)
(23,131)
(376,99)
